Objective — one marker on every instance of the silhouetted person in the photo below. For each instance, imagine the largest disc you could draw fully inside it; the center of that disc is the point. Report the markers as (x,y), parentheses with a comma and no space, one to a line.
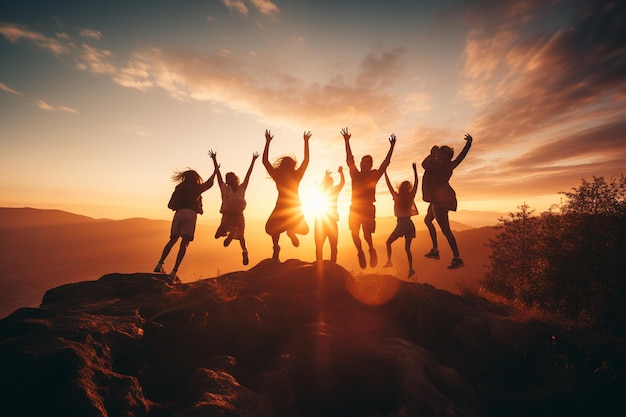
(326,221)
(362,208)
(186,201)
(436,190)
(287,214)
(233,204)
(403,208)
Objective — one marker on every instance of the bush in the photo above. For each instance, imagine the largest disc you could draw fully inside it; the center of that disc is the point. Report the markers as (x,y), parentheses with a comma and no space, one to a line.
(570,261)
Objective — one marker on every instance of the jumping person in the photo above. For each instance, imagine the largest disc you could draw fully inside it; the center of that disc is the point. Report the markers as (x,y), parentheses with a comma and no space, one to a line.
(362,209)
(403,208)
(234,203)
(436,190)
(287,214)
(186,201)
(326,222)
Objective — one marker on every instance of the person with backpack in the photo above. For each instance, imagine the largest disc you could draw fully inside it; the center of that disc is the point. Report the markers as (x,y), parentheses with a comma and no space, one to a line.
(234,203)
(186,202)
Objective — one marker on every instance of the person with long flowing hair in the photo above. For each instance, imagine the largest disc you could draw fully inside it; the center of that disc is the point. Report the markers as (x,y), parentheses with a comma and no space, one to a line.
(287,216)
(186,201)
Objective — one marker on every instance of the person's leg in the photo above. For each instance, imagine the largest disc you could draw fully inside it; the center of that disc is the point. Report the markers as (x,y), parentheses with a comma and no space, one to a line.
(275,238)
(244,250)
(428,220)
(369,227)
(181,253)
(333,237)
(441,214)
(318,237)
(392,238)
(166,251)
(409,255)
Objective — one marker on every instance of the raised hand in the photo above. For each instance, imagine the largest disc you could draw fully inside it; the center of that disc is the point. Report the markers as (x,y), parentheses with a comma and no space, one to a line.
(307,135)
(255,156)
(392,139)
(346,135)
(468,137)
(340,169)
(268,135)
(414,165)
(212,154)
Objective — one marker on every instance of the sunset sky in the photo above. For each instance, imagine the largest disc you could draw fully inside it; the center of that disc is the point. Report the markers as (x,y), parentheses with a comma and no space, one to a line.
(101,101)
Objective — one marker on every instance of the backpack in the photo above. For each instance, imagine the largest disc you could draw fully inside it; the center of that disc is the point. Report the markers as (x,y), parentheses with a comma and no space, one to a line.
(176,199)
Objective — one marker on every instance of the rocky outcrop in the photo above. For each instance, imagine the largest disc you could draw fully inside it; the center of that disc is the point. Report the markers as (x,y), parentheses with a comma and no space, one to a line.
(286,339)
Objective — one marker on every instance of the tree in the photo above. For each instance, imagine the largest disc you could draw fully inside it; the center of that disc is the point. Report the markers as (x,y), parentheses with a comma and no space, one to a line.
(571,262)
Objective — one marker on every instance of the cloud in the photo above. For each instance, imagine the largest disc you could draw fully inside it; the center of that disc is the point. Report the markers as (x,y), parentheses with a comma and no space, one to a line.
(236,5)
(14,33)
(265,7)
(91,33)
(4,87)
(48,107)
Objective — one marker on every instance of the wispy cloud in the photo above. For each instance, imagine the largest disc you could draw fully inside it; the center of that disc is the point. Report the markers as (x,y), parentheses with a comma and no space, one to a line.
(265,7)
(91,33)
(48,107)
(4,87)
(14,33)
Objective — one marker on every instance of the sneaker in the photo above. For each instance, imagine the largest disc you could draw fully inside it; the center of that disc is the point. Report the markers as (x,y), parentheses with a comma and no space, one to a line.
(228,239)
(411,273)
(294,239)
(159,268)
(456,263)
(433,254)
(388,265)
(244,254)
(362,262)
(373,258)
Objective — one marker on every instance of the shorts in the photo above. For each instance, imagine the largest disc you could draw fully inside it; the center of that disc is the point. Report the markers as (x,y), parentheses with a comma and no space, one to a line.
(404,227)
(184,223)
(362,216)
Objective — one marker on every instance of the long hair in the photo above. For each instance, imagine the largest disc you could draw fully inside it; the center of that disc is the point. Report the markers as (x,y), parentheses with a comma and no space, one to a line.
(232,181)
(404,195)
(285,165)
(188,177)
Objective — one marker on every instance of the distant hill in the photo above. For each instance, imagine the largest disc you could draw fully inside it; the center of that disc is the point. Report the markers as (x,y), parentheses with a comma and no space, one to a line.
(31,217)
(46,248)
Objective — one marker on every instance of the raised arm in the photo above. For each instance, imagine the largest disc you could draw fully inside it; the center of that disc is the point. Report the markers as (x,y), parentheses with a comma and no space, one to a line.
(342,179)
(266,151)
(391,190)
(208,183)
(305,160)
(247,178)
(468,144)
(387,161)
(349,157)
(217,172)
(415,180)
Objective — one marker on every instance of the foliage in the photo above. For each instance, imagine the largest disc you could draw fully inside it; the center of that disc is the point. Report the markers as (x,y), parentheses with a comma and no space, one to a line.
(570,261)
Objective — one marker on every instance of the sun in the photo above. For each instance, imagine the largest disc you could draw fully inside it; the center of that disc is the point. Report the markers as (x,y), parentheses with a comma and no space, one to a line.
(315,203)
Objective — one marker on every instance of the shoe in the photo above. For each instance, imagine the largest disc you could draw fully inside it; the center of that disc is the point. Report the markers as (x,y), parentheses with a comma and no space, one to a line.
(173,278)
(373,258)
(294,239)
(411,273)
(244,254)
(275,254)
(362,262)
(228,239)
(388,265)
(159,268)
(433,254)
(456,263)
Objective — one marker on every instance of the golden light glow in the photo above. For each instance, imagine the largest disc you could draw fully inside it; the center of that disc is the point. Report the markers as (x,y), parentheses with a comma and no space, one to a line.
(315,203)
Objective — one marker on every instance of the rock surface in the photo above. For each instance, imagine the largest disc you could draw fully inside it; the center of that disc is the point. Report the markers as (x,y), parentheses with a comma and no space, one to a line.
(292,339)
